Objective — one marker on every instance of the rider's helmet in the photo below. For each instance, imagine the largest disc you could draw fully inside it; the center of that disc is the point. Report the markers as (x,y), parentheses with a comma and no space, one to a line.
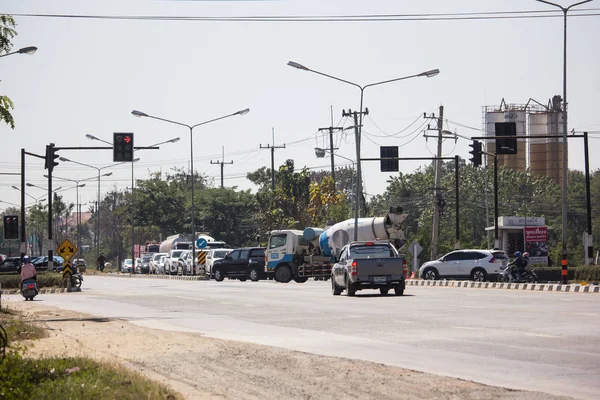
(517,254)
(526,255)
(26,259)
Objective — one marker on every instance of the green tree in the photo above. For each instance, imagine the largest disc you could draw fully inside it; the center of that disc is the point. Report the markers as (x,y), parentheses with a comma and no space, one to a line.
(7,32)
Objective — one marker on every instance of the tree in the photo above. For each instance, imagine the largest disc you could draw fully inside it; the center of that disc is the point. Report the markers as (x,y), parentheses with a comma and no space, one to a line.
(7,23)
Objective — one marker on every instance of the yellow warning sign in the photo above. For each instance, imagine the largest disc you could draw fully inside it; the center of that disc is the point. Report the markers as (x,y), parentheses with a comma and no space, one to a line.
(66,250)
(67,269)
(201,257)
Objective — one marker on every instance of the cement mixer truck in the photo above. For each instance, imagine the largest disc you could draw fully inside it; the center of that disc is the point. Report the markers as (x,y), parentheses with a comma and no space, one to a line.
(310,253)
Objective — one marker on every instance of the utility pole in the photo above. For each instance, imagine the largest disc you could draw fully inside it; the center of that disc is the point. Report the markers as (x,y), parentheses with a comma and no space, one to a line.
(272,147)
(222,162)
(437,193)
(357,134)
(331,129)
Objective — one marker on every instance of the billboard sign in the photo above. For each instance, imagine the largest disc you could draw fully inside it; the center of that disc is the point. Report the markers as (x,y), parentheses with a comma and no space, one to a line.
(536,244)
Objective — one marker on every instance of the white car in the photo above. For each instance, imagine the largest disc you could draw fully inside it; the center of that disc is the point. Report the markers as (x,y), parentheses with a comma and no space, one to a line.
(474,264)
(171,261)
(212,256)
(156,267)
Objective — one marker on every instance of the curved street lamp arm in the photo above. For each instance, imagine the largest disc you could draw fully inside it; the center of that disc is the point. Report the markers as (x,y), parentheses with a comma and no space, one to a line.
(337,79)
(391,80)
(168,120)
(212,120)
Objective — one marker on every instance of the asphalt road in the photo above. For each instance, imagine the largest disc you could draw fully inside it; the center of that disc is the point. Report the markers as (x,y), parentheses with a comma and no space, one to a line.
(542,341)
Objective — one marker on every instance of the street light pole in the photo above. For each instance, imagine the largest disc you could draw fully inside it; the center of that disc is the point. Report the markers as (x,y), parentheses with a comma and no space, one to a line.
(191,128)
(358,129)
(565,152)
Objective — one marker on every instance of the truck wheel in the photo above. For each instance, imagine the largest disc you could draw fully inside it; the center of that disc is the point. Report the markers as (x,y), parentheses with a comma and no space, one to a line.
(299,279)
(399,289)
(254,275)
(384,290)
(350,288)
(335,289)
(218,275)
(283,274)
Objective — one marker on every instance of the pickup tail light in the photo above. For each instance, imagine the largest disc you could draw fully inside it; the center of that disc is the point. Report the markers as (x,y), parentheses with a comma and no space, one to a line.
(404,267)
(354,268)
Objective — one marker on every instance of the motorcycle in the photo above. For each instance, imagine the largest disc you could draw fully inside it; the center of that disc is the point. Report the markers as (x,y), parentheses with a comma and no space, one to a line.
(29,289)
(507,275)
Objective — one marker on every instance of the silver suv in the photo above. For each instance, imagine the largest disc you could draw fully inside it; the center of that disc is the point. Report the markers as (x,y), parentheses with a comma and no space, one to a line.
(474,264)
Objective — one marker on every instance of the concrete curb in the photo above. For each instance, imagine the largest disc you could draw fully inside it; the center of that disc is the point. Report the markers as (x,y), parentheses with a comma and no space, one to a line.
(540,287)
(7,292)
(170,277)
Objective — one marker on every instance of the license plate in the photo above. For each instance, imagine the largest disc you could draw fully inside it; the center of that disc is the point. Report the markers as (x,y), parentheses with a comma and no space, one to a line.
(379,279)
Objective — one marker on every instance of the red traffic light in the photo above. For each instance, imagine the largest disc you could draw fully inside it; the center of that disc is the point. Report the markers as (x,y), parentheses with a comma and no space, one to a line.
(127,139)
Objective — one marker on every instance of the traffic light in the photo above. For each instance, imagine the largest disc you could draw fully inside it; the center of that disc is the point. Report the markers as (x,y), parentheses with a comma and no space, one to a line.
(506,146)
(388,152)
(476,159)
(11,226)
(122,147)
(51,157)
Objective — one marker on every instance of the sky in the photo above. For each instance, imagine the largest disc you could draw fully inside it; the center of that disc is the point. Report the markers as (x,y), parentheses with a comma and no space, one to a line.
(90,73)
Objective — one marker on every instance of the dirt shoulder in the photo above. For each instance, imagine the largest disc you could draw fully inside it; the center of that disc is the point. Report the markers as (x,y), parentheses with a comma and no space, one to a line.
(206,368)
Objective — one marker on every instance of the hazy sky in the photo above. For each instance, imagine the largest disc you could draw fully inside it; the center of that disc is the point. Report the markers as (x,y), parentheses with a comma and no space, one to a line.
(89,74)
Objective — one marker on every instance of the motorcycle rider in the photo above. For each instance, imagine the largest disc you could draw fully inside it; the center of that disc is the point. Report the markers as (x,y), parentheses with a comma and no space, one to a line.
(27,270)
(520,263)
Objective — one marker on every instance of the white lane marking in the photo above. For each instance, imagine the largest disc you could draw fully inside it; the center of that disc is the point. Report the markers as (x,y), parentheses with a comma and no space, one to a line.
(404,322)
(587,314)
(478,307)
(355,316)
(465,327)
(542,335)
(189,298)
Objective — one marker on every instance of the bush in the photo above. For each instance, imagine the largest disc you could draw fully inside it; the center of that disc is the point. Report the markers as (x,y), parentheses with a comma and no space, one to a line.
(553,274)
(589,273)
(44,280)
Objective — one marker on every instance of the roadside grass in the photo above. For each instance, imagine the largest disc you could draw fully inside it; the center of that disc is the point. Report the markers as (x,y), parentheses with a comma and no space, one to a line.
(65,378)
(73,378)
(44,280)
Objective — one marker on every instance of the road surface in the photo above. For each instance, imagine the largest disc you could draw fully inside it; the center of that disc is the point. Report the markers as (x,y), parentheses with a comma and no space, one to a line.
(539,341)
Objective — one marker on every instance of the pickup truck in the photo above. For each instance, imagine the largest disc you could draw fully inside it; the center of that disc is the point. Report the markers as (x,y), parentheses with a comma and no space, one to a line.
(244,263)
(369,265)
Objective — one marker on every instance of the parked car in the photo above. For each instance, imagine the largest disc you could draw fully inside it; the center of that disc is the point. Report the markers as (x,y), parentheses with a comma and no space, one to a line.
(157,264)
(143,267)
(474,264)
(212,256)
(41,263)
(10,265)
(126,266)
(244,263)
(171,261)
(184,263)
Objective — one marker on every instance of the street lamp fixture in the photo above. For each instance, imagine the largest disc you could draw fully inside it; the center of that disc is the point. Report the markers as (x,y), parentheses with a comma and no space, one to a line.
(191,128)
(25,50)
(358,124)
(565,10)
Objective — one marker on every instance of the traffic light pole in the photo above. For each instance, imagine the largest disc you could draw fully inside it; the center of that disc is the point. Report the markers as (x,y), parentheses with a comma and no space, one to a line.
(23,231)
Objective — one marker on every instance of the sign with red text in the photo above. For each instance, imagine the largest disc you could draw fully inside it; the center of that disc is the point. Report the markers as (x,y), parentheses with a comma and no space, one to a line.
(536,244)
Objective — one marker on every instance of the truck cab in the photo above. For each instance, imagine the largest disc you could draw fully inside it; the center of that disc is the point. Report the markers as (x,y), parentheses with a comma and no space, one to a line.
(290,256)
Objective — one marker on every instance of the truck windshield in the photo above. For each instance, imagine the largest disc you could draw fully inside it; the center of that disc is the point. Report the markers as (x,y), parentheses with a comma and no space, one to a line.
(277,241)
(371,252)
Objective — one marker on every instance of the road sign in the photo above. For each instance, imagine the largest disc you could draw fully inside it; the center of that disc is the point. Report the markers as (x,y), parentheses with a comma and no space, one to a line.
(201,257)
(67,269)
(66,250)
(201,243)
(415,249)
